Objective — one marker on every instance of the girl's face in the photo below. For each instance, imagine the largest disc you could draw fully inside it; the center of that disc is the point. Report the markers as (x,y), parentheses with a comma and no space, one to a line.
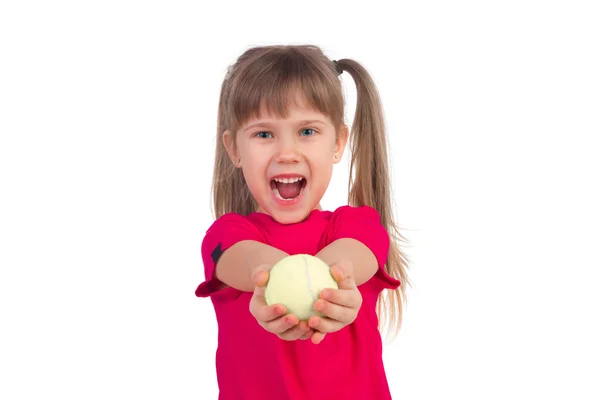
(287,163)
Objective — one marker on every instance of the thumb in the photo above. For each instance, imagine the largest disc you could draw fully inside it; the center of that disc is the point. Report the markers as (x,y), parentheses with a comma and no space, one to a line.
(260,276)
(343,273)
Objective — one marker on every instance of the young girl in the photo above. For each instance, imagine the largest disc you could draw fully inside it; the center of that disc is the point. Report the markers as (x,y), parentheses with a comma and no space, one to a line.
(280,130)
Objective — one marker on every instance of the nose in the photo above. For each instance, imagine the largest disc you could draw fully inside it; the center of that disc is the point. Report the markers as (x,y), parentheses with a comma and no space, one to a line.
(288,151)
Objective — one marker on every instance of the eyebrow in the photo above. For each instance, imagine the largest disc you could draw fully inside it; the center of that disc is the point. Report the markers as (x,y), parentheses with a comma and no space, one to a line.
(269,124)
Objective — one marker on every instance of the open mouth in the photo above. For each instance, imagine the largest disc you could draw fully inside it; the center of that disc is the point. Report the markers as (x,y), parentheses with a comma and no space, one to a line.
(288,189)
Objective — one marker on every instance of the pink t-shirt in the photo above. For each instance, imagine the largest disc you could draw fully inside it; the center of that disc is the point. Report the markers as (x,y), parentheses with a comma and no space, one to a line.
(255,364)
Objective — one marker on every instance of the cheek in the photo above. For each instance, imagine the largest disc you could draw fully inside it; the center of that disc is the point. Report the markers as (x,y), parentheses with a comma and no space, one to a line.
(255,183)
(322,170)
(255,154)
(252,158)
(325,158)
(253,168)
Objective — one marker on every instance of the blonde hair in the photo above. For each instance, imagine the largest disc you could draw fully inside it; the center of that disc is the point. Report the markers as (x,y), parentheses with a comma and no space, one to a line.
(269,76)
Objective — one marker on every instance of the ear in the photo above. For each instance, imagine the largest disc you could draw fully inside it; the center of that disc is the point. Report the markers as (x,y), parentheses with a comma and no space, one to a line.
(340,143)
(229,144)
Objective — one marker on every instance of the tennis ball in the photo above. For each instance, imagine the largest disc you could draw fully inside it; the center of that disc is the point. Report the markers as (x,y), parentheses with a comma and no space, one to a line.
(296,282)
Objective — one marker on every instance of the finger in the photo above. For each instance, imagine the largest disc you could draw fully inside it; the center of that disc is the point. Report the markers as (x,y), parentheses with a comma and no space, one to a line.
(308,334)
(296,332)
(346,315)
(266,313)
(258,301)
(317,337)
(260,276)
(343,273)
(346,298)
(325,325)
(282,324)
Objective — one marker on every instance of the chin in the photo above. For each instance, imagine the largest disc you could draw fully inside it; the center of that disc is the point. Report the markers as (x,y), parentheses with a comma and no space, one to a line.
(289,217)
(292,215)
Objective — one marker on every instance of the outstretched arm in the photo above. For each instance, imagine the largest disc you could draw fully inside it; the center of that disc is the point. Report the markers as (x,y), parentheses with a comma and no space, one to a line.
(361,257)
(236,264)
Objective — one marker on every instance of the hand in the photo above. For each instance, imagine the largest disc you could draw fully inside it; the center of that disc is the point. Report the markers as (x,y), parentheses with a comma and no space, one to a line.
(340,307)
(272,317)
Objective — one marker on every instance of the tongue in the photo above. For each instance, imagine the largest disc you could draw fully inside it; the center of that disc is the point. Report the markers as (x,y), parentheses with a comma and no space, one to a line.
(289,190)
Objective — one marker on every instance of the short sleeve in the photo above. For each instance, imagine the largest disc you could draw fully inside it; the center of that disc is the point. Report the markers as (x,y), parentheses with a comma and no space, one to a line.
(364,224)
(226,231)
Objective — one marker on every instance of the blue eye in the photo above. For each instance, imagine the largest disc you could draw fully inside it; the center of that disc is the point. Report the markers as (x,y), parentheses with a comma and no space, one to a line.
(308,129)
(260,134)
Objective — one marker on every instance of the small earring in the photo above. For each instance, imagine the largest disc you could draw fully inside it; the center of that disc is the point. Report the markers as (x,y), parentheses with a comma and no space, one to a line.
(336,156)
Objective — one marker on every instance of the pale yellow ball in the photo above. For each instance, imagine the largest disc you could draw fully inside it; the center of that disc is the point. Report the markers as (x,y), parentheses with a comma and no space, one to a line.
(296,282)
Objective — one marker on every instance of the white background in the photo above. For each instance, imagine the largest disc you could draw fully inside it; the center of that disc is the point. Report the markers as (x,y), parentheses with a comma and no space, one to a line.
(107,122)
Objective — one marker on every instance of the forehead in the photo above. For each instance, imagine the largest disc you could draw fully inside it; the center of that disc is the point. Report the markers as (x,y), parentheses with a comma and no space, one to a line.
(294,114)
(296,109)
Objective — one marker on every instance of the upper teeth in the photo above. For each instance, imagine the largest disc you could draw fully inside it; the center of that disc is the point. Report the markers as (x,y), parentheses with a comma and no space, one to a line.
(287,180)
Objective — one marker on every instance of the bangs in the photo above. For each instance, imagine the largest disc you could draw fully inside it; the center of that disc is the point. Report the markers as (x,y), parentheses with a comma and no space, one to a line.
(275,86)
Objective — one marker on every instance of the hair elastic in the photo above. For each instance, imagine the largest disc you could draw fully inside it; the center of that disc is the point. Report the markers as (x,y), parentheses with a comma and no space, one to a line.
(337,67)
